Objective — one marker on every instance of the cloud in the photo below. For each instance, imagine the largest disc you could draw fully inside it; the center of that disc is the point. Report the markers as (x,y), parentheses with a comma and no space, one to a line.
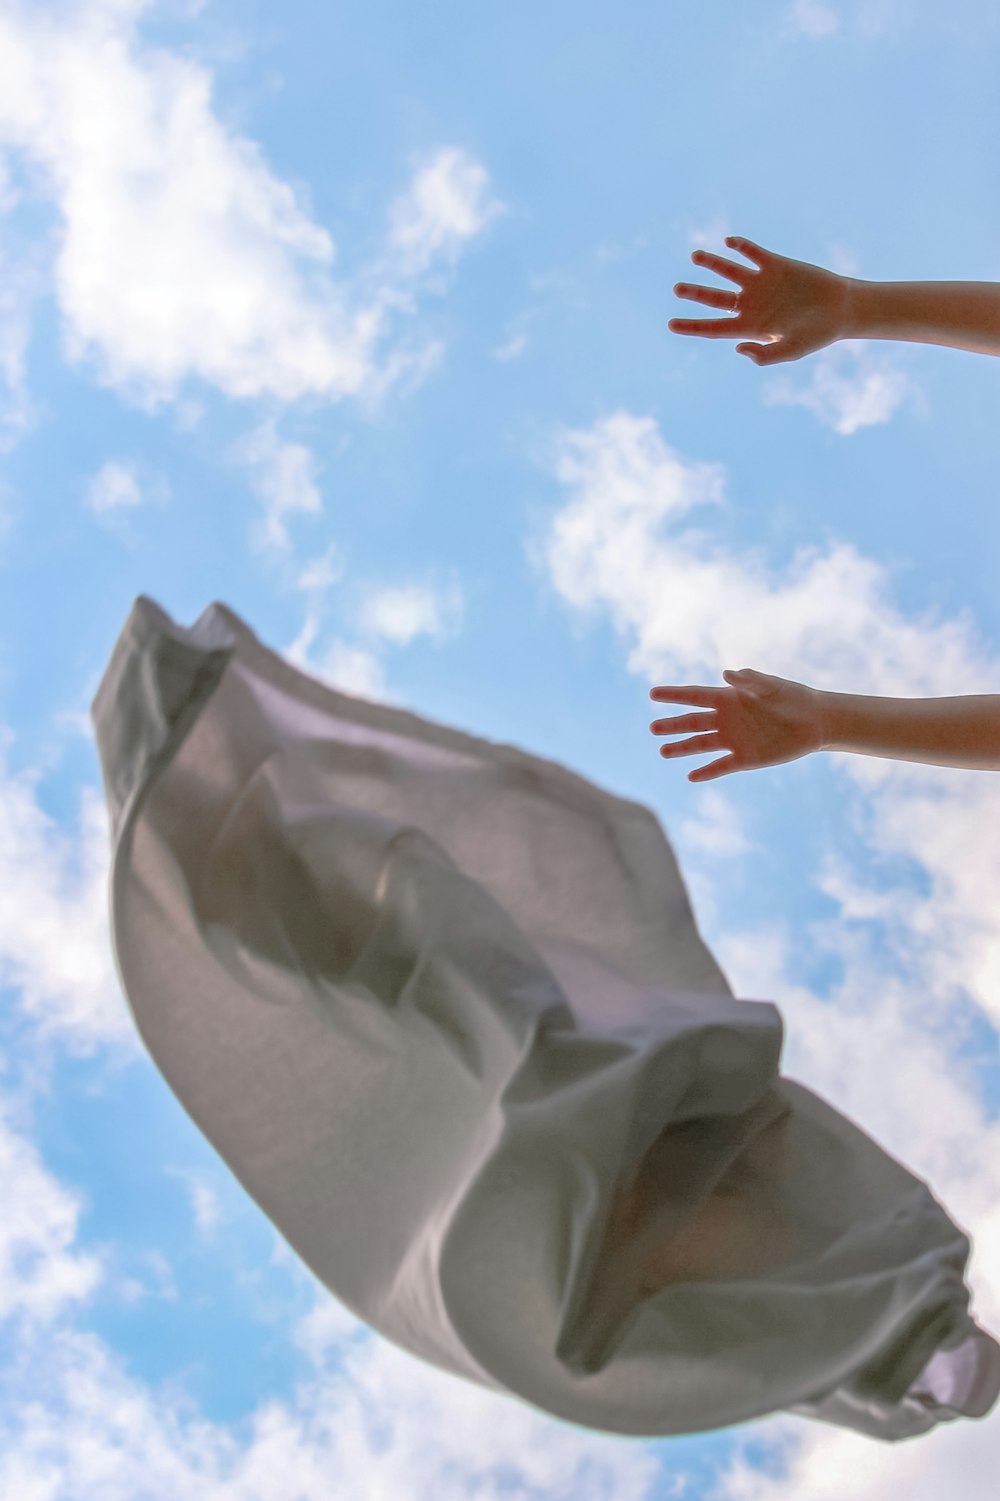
(446,205)
(365,1415)
(180,253)
(21,283)
(352,669)
(720,827)
(940,907)
(324,571)
(709,236)
(120,487)
(394,613)
(282,473)
(54,944)
(75,1421)
(206,1205)
(871,393)
(41,1276)
(112,487)
(687,603)
(401,613)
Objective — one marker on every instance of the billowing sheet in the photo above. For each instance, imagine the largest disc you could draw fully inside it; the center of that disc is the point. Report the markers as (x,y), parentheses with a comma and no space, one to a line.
(442,1008)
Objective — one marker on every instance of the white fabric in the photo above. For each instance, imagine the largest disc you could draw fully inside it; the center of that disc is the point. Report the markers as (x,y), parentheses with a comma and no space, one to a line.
(442,1008)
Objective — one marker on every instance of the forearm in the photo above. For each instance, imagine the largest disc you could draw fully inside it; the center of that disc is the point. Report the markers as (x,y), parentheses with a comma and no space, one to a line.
(962,314)
(940,731)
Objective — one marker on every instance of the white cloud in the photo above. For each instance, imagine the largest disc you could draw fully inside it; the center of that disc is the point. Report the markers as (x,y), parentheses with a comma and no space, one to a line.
(687,603)
(54,944)
(365,1417)
(400,613)
(710,236)
(41,1276)
(352,669)
(120,487)
(282,474)
(163,1275)
(396,613)
(686,606)
(320,574)
(206,1205)
(720,827)
(75,1422)
(447,204)
(937,825)
(327,1325)
(180,253)
(112,487)
(21,284)
(863,397)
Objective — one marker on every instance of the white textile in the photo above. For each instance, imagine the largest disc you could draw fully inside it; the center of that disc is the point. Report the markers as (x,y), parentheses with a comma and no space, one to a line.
(443,1009)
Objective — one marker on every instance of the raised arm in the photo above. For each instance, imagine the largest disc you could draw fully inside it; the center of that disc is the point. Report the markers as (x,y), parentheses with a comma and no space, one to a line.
(961,314)
(762,720)
(963,731)
(797,308)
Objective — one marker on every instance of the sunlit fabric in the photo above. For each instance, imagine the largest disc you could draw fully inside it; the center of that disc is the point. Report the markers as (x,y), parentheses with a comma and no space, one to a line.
(442,1008)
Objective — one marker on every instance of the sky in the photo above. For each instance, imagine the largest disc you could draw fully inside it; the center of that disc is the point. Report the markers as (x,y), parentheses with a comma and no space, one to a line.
(353,316)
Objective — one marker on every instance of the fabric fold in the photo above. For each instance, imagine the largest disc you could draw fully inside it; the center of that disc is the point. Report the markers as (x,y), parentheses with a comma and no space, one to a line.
(442,1008)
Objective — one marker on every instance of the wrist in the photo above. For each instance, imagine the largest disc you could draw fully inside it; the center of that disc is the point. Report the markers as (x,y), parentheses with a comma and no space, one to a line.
(825,719)
(856,307)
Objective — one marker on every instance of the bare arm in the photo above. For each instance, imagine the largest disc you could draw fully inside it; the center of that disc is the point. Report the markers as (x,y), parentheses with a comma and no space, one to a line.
(940,731)
(762,720)
(961,314)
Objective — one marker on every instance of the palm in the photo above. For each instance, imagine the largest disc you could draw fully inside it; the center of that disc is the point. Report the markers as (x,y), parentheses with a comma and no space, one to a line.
(794,306)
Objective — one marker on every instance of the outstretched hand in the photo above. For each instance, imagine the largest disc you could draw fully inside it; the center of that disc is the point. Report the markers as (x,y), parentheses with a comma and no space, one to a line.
(760,720)
(795,307)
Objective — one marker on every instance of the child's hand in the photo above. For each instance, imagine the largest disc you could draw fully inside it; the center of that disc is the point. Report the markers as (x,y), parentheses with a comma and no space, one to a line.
(761,720)
(795,307)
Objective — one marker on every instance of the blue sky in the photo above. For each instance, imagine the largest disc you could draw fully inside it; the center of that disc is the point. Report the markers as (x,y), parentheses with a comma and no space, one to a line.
(354,317)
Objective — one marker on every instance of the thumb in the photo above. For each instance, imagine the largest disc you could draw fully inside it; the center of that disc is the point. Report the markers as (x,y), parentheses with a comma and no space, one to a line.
(767,354)
(746,678)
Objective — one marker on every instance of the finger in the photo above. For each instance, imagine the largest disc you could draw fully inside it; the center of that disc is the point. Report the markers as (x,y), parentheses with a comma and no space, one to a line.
(714,769)
(690,694)
(683,723)
(776,353)
(748,248)
(692,746)
(727,328)
(769,354)
(712,296)
(723,267)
